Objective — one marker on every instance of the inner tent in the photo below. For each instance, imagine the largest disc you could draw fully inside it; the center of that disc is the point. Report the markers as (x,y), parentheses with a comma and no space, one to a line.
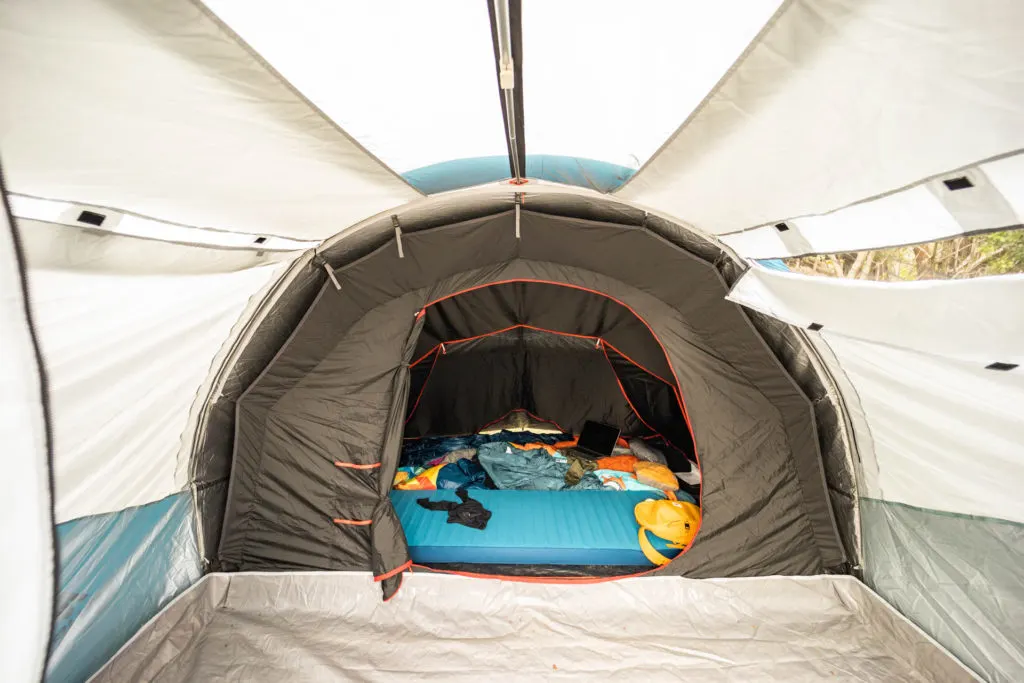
(442,331)
(500,366)
(549,350)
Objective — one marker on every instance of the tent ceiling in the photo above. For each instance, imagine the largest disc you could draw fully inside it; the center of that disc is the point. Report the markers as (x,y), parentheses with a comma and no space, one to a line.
(412,81)
(154,108)
(608,84)
(841,101)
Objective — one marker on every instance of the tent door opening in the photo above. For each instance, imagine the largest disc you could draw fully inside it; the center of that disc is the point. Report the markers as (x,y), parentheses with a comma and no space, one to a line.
(502,380)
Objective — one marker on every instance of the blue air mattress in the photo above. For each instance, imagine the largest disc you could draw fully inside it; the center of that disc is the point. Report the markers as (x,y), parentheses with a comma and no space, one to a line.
(530,527)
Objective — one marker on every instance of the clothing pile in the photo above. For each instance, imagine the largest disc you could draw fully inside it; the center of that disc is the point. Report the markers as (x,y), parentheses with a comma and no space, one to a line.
(525,460)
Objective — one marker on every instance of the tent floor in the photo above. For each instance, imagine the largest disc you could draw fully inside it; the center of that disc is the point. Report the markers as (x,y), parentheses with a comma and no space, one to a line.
(333,626)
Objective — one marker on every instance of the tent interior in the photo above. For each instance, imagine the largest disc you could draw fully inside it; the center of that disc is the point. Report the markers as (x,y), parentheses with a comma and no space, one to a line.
(497,358)
(404,340)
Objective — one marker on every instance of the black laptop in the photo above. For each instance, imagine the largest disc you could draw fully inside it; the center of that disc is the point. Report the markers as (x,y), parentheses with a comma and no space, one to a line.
(597,440)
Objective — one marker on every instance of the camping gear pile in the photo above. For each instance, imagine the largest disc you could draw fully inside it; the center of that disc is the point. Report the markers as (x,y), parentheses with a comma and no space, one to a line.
(528,461)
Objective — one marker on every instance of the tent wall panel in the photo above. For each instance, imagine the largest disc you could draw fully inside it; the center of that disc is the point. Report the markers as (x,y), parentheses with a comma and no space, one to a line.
(695,290)
(548,307)
(173,118)
(274,327)
(941,433)
(657,405)
(26,521)
(963,319)
(794,351)
(571,60)
(117,570)
(457,106)
(534,371)
(286,491)
(814,117)
(938,437)
(122,385)
(956,576)
(913,360)
(549,335)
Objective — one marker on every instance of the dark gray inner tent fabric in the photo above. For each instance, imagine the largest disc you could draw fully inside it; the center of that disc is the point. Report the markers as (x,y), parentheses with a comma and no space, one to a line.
(318,434)
(563,353)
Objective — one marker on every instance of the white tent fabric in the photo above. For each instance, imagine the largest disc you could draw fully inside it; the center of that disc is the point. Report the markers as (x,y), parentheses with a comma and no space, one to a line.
(80,215)
(993,199)
(840,101)
(1008,177)
(154,108)
(608,84)
(963,319)
(316,626)
(943,434)
(26,585)
(940,430)
(129,330)
(430,95)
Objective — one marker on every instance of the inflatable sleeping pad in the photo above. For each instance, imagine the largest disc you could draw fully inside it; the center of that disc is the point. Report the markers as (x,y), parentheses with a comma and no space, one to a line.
(530,527)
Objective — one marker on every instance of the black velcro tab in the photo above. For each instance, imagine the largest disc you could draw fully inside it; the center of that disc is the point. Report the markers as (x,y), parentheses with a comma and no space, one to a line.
(960,183)
(91,218)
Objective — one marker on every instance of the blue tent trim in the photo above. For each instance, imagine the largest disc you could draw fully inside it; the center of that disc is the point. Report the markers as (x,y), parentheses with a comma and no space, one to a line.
(116,571)
(774,264)
(576,171)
